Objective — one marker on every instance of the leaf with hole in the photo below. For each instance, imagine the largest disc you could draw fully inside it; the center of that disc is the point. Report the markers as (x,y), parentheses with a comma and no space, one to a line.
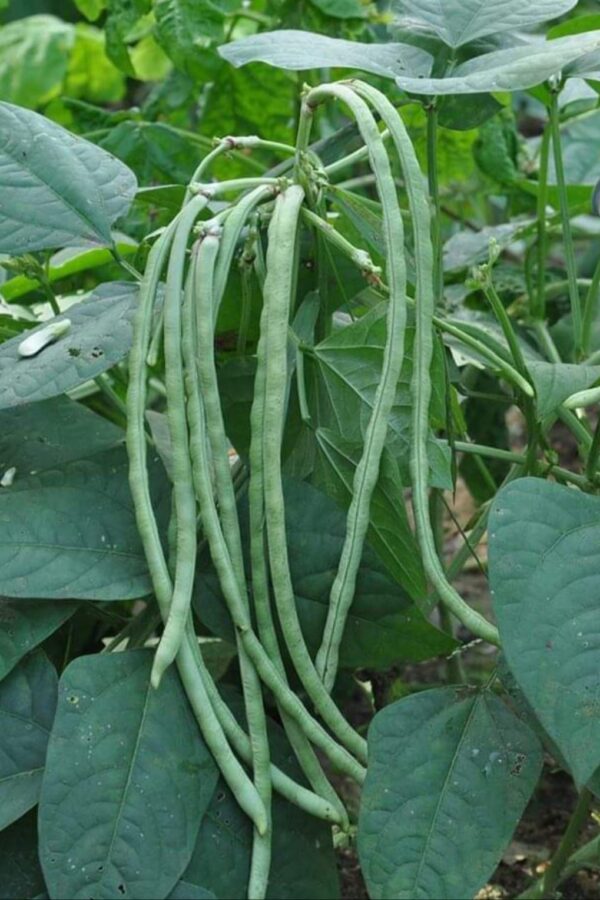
(127,781)
(27,706)
(433,825)
(99,337)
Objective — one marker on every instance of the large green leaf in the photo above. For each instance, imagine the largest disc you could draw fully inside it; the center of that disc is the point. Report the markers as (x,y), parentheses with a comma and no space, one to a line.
(127,781)
(458,22)
(554,382)
(290,49)
(303,862)
(185,28)
(389,532)
(545,577)
(24,624)
(384,626)
(57,189)
(20,872)
(450,773)
(41,436)
(348,371)
(155,150)
(34,54)
(70,532)
(91,75)
(27,707)
(99,336)
(579,137)
(512,69)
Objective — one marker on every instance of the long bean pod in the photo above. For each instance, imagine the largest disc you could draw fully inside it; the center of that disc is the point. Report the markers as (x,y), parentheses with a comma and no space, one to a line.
(367,470)
(234,774)
(421,378)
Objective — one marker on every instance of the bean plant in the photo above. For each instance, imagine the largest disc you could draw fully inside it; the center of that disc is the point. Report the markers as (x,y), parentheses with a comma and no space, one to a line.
(227,466)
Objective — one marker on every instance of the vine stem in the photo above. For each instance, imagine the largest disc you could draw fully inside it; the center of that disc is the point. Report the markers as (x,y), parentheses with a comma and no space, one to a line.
(434,193)
(570,262)
(538,301)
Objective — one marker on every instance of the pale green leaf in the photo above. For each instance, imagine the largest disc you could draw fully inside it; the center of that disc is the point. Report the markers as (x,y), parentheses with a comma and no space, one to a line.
(34,55)
(57,189)
(91,74)
(458,22)
(544,550)
(127,781)
(554,382)
(91,9)
(450,773)
(99,337)
(27,706)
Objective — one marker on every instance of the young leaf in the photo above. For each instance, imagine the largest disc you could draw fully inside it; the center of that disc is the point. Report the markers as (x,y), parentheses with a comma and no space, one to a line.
(184,28)
(450,773)
(458,22)
(545,579)
(127,781)
(34,55)
(71,532)
(57,189)
(20,872)
(27,707)
(99,336)
(512,69)
(299,50)
(24,624)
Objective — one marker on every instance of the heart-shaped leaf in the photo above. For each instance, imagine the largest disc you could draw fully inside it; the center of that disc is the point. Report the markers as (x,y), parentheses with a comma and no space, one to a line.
(27,707)
(57,189)
(99,336)
(457,22)
(544,553)
(554,382)
(128,779)
(433,825)
(298,50)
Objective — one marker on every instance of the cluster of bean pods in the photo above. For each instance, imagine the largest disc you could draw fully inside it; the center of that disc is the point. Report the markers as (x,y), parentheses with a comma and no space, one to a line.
(192,257)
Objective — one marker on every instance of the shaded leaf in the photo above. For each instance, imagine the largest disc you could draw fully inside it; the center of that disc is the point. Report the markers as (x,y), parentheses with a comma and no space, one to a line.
(99,336)
(27,706)
(545,578)
(341,9)
(128,779)
(434,826)
(24,624)
(57,189)
(20,872)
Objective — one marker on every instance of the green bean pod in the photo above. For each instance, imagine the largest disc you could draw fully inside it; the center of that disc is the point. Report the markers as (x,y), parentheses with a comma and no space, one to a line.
(367,469)
(423,354)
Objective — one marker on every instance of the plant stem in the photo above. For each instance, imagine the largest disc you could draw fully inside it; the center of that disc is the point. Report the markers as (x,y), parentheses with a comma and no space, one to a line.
(591,308)
(538,303)
(571,264)
(436,511)
(434,193)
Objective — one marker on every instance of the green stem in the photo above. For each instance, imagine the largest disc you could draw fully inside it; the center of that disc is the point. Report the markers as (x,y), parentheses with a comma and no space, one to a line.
(591,308)
(570,262)
(538,304)
(592,460)
(552,875)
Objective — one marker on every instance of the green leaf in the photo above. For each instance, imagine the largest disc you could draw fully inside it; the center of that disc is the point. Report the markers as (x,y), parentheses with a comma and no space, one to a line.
(341,9)
(41,436)
(155,151)
(467,248)
(185,28)
(300,50)
(99,337)
(57,189)
(389,531)
(122,19)
(303,862)
(512,69)
(64,264)
(348,372)
(458,22)
(34,54)
(128,779)
(384,627)
(91,9)
(20,872)
(434,825)
(27,706)
(24,624)
(183,890)
(545,579)
(554,382)
(71,533)
(579,136)
(91,75)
